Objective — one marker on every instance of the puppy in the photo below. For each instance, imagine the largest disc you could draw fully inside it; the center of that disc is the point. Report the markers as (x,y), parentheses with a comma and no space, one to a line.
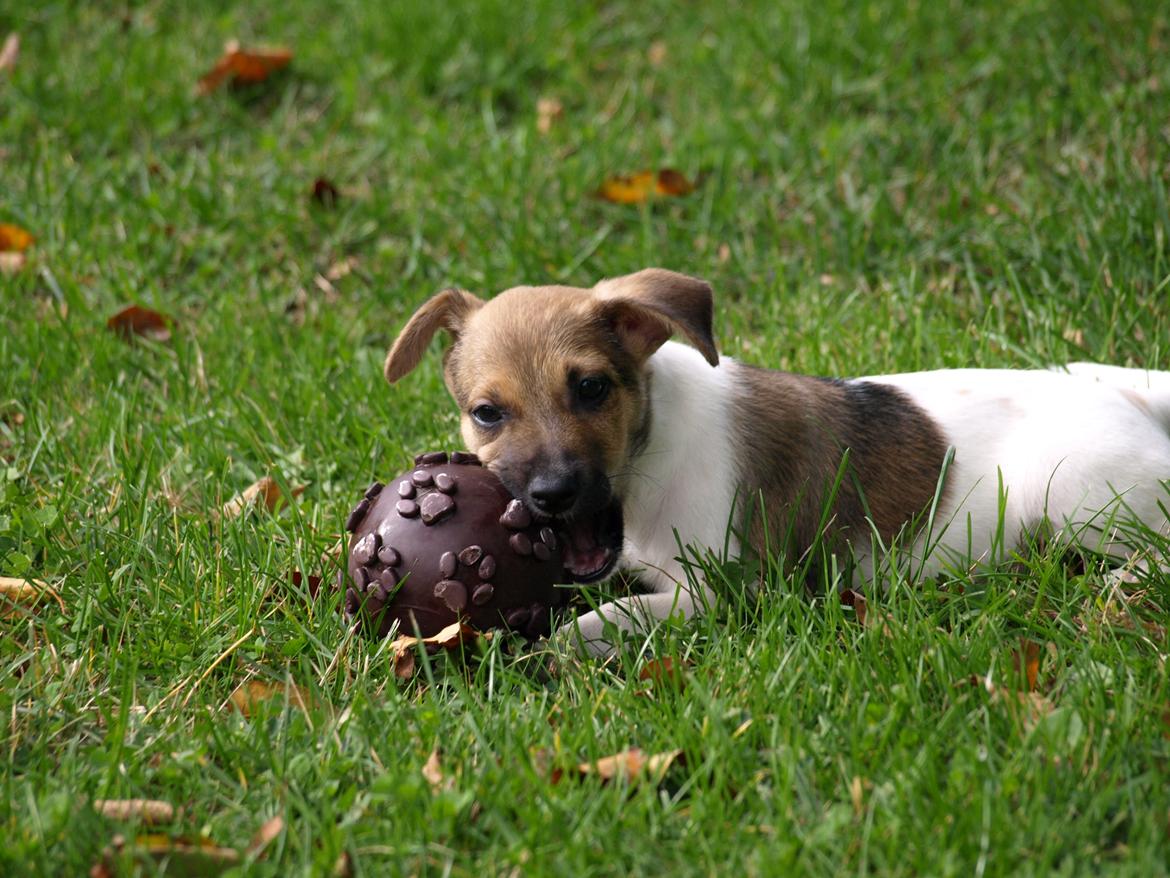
(638,446)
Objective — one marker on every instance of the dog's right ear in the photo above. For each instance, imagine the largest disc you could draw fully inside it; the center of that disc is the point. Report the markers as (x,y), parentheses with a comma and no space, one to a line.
(447,310)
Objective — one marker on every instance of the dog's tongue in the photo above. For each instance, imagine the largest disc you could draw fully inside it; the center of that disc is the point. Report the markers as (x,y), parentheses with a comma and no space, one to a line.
(584,556)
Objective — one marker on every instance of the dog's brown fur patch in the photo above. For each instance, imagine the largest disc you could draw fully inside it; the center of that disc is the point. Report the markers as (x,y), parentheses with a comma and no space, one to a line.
(794,431)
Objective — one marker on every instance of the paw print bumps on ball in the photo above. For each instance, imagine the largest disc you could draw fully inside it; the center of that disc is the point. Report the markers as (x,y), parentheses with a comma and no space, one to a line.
(446,541)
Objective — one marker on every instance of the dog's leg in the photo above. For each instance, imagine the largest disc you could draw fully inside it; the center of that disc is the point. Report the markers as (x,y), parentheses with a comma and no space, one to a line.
(590,633)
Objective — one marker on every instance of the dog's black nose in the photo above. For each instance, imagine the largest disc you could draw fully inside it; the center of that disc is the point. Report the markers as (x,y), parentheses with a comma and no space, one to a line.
(553,494)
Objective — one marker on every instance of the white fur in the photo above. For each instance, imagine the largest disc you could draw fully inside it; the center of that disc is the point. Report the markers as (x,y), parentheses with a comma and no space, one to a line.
(682,483)
(1080,450)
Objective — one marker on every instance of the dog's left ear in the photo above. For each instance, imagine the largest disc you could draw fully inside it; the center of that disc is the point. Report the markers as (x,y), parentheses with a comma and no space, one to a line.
(649,306)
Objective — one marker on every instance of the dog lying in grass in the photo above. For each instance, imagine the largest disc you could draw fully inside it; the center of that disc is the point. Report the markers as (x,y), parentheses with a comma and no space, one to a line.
(637,445)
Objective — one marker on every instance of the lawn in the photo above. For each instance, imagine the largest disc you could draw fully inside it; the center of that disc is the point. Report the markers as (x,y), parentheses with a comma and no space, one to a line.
(879,187)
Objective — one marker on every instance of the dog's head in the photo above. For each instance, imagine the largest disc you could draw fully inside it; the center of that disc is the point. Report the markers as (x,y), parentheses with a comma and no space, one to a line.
(552,389)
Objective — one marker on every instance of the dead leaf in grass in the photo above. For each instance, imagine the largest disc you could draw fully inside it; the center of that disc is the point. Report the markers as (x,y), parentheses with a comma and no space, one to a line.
(325,193)
(313,582)
(665,671)
(630,765)
(1026,661)
(433,772)
(135,320)
(857,795)
(548,111)
(1027,708)
(264,491)
(244,66)
(250,695)
(455,635)
(641,187)
(657,53)
(265,835)
(27,592)
(10,53)
(856,600)
(14,238)
(192,857)
(147,810)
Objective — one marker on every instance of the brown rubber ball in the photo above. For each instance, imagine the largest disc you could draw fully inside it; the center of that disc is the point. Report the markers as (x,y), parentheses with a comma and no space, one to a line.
(446,541)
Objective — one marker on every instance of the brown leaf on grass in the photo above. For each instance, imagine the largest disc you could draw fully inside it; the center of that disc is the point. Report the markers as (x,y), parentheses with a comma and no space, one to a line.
(263,491)
(9,53)
(857,795)
(455,635)
(244,66)
(665,671)
(266,834)
(313,582)
(192,857)
(548,111)
(26,592)
(630,765)
(135,320)
(147,810)
(856,600)
(1026,660)
(657,53)
(14,241)
(433,772)
(250,695)
(641,187)
(325,193)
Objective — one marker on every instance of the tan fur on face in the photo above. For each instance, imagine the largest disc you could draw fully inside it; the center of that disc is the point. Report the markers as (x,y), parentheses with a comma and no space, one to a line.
(520,350)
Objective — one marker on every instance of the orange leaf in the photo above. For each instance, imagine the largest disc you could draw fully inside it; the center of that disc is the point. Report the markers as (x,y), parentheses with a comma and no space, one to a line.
(9,53)
(454,635)
(265,835)
(630,765)
(146,810)
(244,66)
(265,490)
(14,238)
(251,694)
(640,187)
(136,320)
(1027,661)
(26,591)
(665,672)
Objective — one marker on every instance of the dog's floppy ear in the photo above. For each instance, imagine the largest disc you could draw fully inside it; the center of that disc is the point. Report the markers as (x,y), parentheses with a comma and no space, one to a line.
(649,306)
(447,310)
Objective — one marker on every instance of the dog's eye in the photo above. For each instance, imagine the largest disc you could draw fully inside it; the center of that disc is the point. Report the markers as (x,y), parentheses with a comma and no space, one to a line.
(487,415)
(592,389)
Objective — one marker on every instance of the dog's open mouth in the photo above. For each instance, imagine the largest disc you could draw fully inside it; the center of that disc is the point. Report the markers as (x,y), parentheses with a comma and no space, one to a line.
(593,543)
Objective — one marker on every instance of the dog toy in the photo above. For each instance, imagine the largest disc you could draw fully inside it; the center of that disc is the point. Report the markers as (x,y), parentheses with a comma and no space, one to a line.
(447,542)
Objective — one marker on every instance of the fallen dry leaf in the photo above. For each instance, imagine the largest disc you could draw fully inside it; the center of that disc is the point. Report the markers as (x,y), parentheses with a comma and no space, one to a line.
(27,591)
(630,765)
(313,582)
(548,111)
(14,239)
(268,831)
(1026,660)
(856,600)
(195,857)
(341,268)
(10,53)
(265,491)
(134,320)
(641,187)
(244,66)
(325,193)
(251,694)
(665,671)
(857,795)
(1028,708)
(12,261)
(147,810)
(402,648)
(657,53)
(433,772)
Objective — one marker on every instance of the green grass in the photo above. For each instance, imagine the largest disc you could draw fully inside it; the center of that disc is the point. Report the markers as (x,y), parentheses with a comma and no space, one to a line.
(883,187)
